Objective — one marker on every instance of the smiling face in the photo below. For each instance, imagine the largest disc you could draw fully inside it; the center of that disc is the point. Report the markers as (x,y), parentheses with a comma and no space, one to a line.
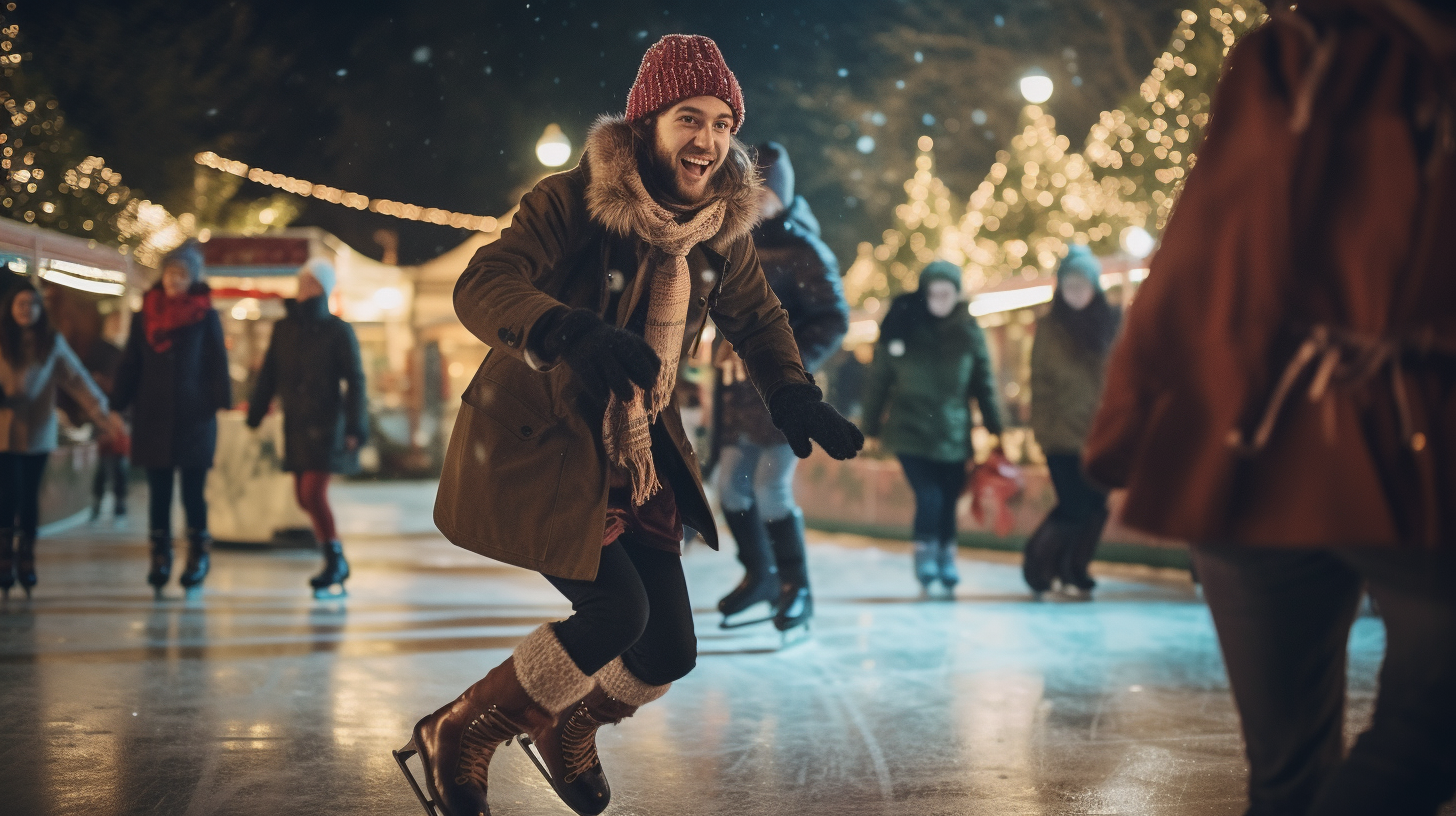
(693,139)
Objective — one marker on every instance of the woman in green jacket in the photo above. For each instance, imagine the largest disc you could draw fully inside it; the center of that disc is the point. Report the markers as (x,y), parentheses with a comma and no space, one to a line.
(930,362)
(1068,365)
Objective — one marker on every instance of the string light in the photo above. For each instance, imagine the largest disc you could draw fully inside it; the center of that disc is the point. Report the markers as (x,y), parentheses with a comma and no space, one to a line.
(333,195)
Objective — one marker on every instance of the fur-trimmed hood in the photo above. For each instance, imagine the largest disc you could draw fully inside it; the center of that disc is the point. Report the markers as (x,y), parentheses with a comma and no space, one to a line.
(609,157)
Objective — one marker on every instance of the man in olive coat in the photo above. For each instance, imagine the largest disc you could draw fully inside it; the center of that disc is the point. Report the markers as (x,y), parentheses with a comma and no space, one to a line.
(568,456)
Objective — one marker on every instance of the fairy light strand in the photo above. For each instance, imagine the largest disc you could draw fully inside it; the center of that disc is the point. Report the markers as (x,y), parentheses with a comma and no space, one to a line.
(357,201)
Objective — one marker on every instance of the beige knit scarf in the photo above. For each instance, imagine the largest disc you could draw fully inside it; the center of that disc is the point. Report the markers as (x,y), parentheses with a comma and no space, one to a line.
(626,426)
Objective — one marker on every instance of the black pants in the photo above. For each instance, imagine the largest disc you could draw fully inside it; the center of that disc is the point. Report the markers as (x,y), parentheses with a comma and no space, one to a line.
(637,608)
(1283,620)
(937,487)
(111,471)
(194,505)
(20,477)
(1078,501)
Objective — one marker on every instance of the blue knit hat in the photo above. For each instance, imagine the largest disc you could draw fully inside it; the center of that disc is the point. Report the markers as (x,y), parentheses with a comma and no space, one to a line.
(1081,261)
(940,270)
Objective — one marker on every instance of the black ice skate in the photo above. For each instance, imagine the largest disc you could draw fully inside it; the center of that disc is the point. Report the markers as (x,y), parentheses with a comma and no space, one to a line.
(760,584)
(25,562)
(161,568)
(7,562)
(199,559)
(329,583)
(794,611)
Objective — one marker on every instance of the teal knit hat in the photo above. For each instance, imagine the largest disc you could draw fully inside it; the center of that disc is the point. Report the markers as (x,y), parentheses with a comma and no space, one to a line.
(940,270)
(1081,261)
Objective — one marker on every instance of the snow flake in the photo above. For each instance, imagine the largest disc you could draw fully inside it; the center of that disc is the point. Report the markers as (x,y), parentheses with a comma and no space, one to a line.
(843,72)
(978,117)
(422,54)
(865,144)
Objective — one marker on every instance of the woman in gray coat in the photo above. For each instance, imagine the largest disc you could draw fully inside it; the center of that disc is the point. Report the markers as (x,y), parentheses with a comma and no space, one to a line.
(35,361)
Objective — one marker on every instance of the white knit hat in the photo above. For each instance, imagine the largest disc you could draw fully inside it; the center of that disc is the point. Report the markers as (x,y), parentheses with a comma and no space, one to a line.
(321,271)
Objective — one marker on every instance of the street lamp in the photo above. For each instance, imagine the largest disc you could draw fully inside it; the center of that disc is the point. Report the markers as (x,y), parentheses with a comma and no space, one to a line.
(1036,86)
(553,148)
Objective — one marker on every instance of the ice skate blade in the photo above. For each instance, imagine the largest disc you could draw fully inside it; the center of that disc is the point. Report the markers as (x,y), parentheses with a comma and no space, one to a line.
(738,620)
(794,635)
(402,757)
(530,748)
(330,594)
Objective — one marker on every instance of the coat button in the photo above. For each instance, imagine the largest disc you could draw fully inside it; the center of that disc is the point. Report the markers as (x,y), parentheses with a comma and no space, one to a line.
(526,430)
(702,301)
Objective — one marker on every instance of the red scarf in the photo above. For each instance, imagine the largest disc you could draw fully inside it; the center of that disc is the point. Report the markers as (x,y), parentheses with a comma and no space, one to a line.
(166,314)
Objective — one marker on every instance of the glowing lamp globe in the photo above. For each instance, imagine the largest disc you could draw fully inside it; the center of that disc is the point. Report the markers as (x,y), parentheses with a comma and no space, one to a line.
(1036,87)
(1137,242)
(553,148)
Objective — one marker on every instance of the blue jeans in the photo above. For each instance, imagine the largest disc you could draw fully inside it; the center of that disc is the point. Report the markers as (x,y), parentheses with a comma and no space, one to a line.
(750,475)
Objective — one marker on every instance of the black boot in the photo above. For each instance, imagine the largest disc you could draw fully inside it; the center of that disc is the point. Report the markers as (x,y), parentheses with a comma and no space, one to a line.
(199,558)
(760,579)
(795,605)
(7,561)
(1080,549)
(161,570)
(25,560)
(1042,559)
(336,568)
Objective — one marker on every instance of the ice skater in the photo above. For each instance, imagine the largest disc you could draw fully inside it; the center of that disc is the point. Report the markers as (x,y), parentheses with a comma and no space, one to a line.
(174,379)
(569,457)
(1068,364)
(36,363)
(755,464)
(930,362)
(313,365)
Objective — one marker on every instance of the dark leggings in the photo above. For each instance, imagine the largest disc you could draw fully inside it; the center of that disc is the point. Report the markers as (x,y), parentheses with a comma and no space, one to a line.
(20,477)
(937,487)
(159,504)
(311,488)
(111,472)
(636,608)
(1283,619)
(1077,500)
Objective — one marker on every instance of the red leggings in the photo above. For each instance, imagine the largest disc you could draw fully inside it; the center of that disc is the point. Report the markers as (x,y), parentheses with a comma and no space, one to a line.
(312,489)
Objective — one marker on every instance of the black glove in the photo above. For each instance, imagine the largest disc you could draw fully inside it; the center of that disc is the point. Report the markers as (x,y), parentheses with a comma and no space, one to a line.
(801,413)
(607,360)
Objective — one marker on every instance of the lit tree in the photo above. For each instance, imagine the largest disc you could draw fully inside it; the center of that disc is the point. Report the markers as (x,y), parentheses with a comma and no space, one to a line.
(925,229)
(1037,197)
(1147,145)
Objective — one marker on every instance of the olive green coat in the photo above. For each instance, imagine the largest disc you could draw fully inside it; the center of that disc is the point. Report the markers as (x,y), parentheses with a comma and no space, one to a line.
(917,398)
(1066,385)
(525,477)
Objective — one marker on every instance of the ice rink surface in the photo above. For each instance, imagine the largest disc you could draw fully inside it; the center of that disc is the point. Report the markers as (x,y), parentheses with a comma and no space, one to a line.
(256,699)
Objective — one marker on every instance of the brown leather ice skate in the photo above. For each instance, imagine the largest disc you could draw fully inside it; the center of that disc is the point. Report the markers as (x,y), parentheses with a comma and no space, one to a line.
(457,742)
(568,752)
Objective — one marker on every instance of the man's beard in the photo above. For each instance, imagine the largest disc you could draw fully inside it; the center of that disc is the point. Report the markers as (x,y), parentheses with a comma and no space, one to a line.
(666,186)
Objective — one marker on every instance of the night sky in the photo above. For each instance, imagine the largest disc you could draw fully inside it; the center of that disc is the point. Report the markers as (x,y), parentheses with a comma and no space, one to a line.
(440,104)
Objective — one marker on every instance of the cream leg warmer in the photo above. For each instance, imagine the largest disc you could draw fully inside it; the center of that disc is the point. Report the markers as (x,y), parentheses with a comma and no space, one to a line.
(547,672)
(620,684)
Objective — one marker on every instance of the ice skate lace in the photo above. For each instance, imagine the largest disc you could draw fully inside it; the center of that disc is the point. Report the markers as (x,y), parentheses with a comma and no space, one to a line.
(578,741)
(478,742)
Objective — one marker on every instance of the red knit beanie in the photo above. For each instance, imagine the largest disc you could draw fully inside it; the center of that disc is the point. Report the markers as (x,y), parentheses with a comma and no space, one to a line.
(682,66)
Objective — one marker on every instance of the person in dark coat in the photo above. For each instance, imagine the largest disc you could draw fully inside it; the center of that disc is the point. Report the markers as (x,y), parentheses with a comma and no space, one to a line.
(1284,397)
(1068,365)
(311,353)
(930,361)
(755,464)
(174,378)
